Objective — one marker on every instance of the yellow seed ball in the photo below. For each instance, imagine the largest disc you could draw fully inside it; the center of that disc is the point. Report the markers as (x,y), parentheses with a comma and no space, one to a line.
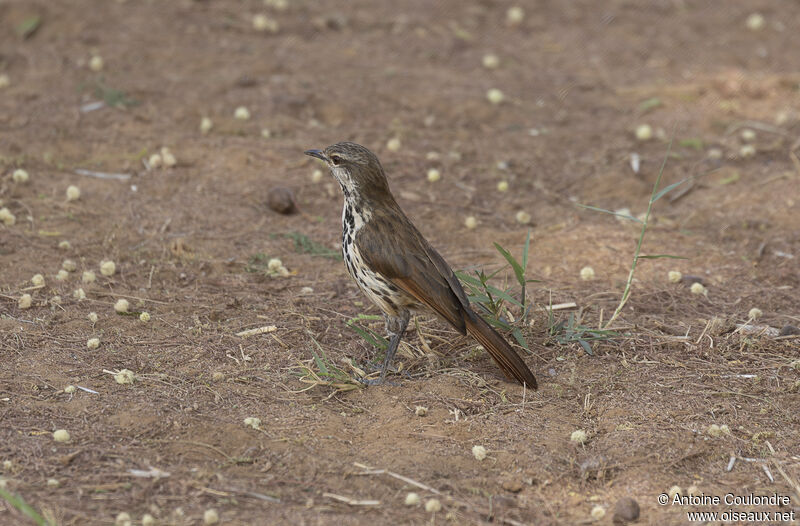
(755,22)
(62,275)
(144,317)
(218,376)
(420,410)
(747,135)
(55,300)
(697,288)
(7,217)
(93,343)
(262,22)
(490,61)
(479,452)
(70,389)
(25,301)
(64,245)
(121,305)
(495,96)
(155,161)
(148,520)
(713,430)
(644,132)
(674,276)
(274,264)
(598,512)
(470,222)
(205,125)
(724,429)
(61,435)
(316,176)
(210,516)
(579,436)
(168,158)
(755,313)
(93,318)
(266,133)
(79,294)
(125,376)
(73,193)
(108,268)
(253,422)
(502,186)
(587,273)
(433,505)
(515,15)
(393,144)
(746,151)
(123,519)
(434,175)
(96,63)
(69,265)
(20,176)
(88,276)
(674,490)
(7,465)
(5,81)
(37,280)
(412,499)
(52,483)
(523,217)
(241,113)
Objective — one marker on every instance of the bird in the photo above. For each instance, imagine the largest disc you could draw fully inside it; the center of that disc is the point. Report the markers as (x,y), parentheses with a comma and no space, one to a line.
(395,266)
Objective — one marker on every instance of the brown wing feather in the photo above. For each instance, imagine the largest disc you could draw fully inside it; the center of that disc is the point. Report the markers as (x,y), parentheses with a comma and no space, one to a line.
(420,271)
(409,267)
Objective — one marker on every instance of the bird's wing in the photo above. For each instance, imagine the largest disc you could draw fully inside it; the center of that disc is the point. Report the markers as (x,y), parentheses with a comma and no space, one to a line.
(413,266)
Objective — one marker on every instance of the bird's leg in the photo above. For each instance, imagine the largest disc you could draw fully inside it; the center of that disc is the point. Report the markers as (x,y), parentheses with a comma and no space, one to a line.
(396,326)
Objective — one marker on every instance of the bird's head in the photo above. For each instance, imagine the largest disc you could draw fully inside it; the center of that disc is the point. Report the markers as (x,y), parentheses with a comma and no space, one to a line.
(358,170)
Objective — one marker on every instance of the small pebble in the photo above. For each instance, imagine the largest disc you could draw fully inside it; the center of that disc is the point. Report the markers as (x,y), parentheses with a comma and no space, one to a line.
(281,200)
(626,510)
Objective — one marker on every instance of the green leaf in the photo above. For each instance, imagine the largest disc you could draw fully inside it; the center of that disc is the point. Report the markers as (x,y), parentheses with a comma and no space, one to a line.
(649,104)
(693,142)
(586,347)
(504,295)
(525,252)
(520,338)
(661,256)
(626,216)
(469,279)
(667,189)
(518,270)
(19,503)
(29,26)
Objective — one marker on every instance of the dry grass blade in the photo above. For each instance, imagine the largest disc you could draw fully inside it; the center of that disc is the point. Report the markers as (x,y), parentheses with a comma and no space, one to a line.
(352,502)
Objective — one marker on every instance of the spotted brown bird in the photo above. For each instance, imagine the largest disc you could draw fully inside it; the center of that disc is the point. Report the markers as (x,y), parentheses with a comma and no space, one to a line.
(395,267)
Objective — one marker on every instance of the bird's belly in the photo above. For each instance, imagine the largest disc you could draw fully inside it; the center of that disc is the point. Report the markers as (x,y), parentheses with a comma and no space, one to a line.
(380,291)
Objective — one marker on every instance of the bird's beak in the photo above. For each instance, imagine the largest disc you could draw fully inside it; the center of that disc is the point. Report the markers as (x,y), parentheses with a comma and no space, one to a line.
(319,154)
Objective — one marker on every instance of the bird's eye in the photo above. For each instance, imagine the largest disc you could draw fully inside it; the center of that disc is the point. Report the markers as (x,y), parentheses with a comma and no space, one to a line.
(336,160)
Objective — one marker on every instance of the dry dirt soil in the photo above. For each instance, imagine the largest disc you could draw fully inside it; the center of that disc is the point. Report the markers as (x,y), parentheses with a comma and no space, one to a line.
(191,244)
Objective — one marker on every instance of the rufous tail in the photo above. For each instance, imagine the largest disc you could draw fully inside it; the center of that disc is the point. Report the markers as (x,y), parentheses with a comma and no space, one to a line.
(500,350)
